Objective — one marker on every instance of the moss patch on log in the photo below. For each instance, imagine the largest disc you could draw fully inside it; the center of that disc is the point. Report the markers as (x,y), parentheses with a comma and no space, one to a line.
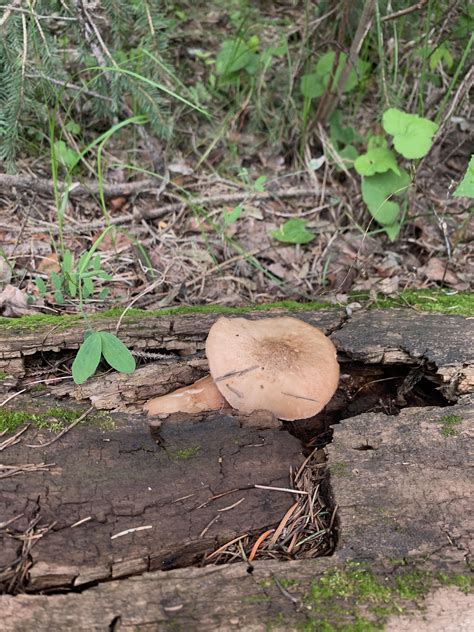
(54,419)
(426,300)
(358,600)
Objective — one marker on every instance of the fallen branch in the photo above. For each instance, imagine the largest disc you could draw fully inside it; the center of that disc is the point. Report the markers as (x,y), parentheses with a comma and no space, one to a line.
(77,189)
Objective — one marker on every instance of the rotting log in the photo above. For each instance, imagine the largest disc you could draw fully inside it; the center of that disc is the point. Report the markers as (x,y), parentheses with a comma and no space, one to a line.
(402,489)
(442,346)
(105,503)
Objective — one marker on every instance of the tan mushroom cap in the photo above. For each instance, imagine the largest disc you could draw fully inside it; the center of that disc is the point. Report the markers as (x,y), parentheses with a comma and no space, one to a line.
(279,364)
(198,397)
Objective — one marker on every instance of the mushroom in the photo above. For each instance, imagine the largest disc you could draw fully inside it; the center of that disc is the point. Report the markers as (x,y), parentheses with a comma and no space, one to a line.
(279,364)
(196,398)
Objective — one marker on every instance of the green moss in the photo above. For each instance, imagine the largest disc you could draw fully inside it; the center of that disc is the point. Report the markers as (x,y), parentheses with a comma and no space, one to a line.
(37,321)
(354,599)
(430,301)
(449,425)
(338,468)
(11,419)
(54,419)
(103,420)
(185,453)
(3,376)
(425,300)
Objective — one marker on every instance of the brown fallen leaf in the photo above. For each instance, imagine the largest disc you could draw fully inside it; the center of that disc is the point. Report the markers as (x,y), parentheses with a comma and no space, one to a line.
(49,264)
(436,270)
(13,303)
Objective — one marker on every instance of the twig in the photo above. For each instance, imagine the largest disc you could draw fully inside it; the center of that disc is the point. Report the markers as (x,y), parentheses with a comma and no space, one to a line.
(63,432)
(10,397)
(46,186)
(407,11)
(13,440)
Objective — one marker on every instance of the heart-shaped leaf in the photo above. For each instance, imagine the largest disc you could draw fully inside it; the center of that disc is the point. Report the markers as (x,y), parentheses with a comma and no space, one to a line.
(87,358)
(378,192)
(378,160)
(412,135)
(293,232)
(116,353)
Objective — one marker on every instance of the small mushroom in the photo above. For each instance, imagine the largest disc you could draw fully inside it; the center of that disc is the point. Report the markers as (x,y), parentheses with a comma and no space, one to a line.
(279,364)
(196,398)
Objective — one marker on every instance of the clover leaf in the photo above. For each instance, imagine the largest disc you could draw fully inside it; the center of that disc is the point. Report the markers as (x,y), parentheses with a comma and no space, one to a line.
(412,135)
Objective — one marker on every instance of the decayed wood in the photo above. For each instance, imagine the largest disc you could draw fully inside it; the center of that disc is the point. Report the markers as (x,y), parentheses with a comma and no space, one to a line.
(443,343)
(402,491)
(111,502)
(403,485)
(183,334)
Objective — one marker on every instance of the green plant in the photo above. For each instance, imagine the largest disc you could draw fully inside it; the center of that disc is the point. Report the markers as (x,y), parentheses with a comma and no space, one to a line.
(293,232)
(97,344)
(384,182)
(324,77)
(75,283)
(466,187)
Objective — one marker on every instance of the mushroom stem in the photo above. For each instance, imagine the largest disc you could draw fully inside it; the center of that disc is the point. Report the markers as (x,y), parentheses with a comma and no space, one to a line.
(196,398)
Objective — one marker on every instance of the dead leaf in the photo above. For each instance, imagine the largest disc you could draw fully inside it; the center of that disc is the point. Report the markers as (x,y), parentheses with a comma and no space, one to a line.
(117,203)
(49,264)
(13,303)
(436,270)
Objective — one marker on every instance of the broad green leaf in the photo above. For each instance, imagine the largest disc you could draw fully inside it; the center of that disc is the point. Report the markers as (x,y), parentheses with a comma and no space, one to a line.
(393,230)
(466,187)
(73,127)
(104,293)
(232,215)
(412,135)
(349,155)
(377,160)
(376,142)
(259,184)
(312,86)
(41,285)
(339,133)
(378,192)
(293,232)
(441,56)
(59,297)
(87,358)
(66,156)
(96,262)
(235,55)
(116,353)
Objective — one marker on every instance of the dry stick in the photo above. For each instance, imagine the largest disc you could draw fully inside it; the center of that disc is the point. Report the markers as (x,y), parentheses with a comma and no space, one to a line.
(46,186)
(399,14)
(13,440)
(63,432)
(328,96)
(359,37)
